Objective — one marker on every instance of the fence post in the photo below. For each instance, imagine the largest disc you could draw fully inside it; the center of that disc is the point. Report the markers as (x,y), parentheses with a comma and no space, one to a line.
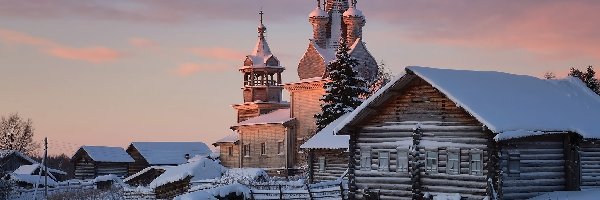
(342,189)
(280,192)
(310,196)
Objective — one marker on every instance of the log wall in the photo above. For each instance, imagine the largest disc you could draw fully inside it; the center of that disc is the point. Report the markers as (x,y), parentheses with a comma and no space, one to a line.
(118,169)
(590,164)
(541,166)
(229,161)
(336,163)
(444,125)
(85,168)
(270,134)
(139,163)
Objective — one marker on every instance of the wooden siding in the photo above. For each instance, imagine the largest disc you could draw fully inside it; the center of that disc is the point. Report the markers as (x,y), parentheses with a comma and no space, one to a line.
(590,164)
(229,161)
(85,167)
(139,163)
(443,123)
(336,163)
(270,134)
(146,178)
(117,169)
(541,166)
(305,104)
(173,189)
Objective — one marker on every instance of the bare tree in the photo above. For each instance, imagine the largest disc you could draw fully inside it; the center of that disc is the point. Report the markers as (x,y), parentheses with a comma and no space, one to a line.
(550,75)
(17,134)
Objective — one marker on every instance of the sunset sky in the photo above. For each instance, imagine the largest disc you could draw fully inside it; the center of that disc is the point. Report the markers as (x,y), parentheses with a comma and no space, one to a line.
(109,72)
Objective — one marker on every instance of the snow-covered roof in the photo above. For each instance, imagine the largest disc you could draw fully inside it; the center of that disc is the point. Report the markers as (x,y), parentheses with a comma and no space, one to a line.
(169,153)
(143,171)
(107,154)
(201,169)
(6,153)
(231,138)
(318,13)
(308,80)
(30,169)
(325,139)
(279,116)
(354,12)
(32,179)
(510,105)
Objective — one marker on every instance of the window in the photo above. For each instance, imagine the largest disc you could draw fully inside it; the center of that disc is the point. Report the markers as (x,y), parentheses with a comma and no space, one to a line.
(432,162)
(230,151)
(402,165)
(321,164)
(476,163)
(453,164)
(280,147)
(263,148)
(514,163)
(365,158)
(247,150)
(300,142)
(384,161)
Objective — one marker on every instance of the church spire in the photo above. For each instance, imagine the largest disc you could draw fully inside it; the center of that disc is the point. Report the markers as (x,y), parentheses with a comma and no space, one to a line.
(262,47)
(336,25)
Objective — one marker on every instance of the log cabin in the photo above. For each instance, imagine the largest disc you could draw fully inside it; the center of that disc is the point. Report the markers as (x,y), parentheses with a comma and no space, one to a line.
(34,169)
(10,160)
(476,133)
(146,176)
(178,180)
(148,154)
(327,154)
(229,150)
(93,161)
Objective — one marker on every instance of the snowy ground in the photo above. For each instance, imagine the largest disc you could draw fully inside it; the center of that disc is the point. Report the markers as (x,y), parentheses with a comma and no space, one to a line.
(570,195)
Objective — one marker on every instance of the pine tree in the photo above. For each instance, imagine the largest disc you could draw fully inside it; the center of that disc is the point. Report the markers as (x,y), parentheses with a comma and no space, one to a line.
(588,77)
(344,91)
(383,77)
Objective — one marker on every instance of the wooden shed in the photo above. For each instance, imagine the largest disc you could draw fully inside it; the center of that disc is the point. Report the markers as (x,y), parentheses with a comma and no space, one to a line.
(327,154)
(10,160)
(148,154)
(178,180)
(93,161)
(479,134)
(146,176)
(229,150)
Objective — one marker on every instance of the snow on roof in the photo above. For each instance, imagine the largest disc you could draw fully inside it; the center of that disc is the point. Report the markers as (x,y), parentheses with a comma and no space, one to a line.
(308,80)
(201,169)
(143,171)
(32,179)
(328,54)
(512,105)
(243,175)
(325,139)
(107,154)
(231,138)
(279,116)
(6,153)
(170,153)
(352,11)
(319,13)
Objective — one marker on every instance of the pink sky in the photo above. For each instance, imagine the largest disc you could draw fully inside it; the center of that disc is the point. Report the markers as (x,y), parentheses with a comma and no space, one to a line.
(112,72)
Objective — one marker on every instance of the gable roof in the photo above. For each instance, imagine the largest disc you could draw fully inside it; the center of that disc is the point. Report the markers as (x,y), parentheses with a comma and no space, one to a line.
(231,138)
(169,153)
(325,139)
(106,154)
(6,153)
(279,116)
(30,169)
(507,104)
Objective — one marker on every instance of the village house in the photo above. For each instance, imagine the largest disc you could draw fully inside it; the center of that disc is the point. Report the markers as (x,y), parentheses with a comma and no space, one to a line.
(274,144)
(148,154)
(177,180)
(10,160)
(476,133)
(93,161)
(229,150)
(36,169)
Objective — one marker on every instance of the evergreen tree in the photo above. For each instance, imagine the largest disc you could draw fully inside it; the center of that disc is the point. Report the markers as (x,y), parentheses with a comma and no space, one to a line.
(344,91)
(588,77)
(383,77)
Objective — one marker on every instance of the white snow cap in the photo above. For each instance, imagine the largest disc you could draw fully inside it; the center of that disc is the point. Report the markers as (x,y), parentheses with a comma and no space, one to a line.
(279,116)
(325,139)
(231,138)
(353,11)
(107,154)
(170,153)
(318,13)
(201,169)
(517,105)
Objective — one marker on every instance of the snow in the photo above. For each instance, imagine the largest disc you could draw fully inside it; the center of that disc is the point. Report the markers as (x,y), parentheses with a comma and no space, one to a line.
(443,196)
(220,191)
(325,139)
(33,179)
(511,105)
(318,13)
(569,195)
(144,171)
(231,138)
(243,175)
(198,170)
(30,169)
(170,153)
(279,116)
(107,154)
(353,12)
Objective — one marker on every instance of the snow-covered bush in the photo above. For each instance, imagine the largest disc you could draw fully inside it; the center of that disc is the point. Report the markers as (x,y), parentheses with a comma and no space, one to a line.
(6,187)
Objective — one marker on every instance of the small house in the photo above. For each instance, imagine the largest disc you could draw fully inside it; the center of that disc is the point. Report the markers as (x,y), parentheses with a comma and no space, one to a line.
(10,160)
(229,150)
(177,180)
(327,153)
(93,161)
(476,133)
(148,154)
(34,169)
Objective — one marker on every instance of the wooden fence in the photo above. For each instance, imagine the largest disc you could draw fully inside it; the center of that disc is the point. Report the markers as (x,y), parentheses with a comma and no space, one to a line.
(289,191)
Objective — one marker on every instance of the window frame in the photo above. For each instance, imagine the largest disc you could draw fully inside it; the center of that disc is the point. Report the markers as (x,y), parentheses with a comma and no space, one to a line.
(280,148)
(513,157)
(246,148)
(433,158)
(453,152)
(401,158)
(365,159)
(322,163)
(263,149)
(384,158)
(479,163)
(230,150)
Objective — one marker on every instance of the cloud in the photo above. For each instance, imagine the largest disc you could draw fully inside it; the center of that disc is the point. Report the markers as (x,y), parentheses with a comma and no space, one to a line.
(143,43)
(88,54)
(187,69)
(218,53)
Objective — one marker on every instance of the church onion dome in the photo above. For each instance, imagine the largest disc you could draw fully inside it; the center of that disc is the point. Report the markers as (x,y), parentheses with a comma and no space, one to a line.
(353,12)
(318,13)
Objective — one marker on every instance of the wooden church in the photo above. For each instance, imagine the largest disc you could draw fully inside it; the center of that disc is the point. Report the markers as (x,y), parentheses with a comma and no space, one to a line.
(271,131)
(479,134)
